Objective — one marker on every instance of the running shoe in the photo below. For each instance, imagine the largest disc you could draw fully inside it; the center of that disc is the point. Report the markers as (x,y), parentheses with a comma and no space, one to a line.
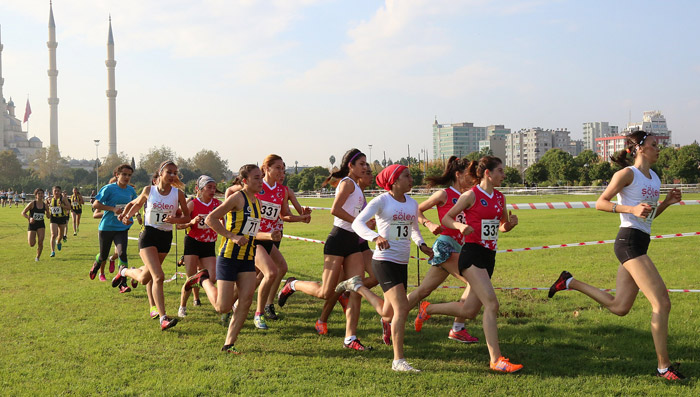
(403,366)
(65,239)
(356,345)
(286,292)
(462,336)
(422,315)
(672,373)
(321,328)
(134,283)
(102,277)
(182,312)
(75,233)
(167,322)
(123,289)
(197,302)
(181,262)
(117,280)
(350,284)
(36,259)
(343,299)
(230,349)
(58,246)
(270,312)
(259,321)
(196,279)
(53,253)
(504,365)
(93,270)
(560,284)
(154,312)
(226,319)
(111,265)
(386,332)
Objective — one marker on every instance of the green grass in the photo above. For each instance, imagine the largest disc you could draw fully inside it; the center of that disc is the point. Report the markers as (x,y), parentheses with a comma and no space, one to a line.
(65,334)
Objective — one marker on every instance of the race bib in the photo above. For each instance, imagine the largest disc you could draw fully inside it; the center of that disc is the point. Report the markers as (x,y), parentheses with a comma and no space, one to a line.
(39,216)
(251,226)
(55,211)
(489,229)
(120,207)
(269,210)
(461,218)
(201,224)
(652,214)
(399,230)
(156,217)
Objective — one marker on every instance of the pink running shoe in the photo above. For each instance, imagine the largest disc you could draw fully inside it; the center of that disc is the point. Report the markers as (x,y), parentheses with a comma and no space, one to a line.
(102,277)
(462,336)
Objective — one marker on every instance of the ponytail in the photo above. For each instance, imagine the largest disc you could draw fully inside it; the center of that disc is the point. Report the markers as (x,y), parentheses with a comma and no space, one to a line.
(449,175)
(243,173)
(626,156)
(477,169)
(350,157)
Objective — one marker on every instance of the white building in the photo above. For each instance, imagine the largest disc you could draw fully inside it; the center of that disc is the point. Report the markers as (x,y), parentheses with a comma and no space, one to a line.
(597,129)
(495,140)
(653,121)
(526,147)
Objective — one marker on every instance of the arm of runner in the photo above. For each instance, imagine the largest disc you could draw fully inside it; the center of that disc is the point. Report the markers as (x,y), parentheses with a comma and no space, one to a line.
(27,209)
(359,225)
(193,221)
(185,217)
(437,199)
(674,196)
(465,201)
(293,198)
(286,213)
(619,180)
(133,206)
(508,222)
(346,188)
(234,202)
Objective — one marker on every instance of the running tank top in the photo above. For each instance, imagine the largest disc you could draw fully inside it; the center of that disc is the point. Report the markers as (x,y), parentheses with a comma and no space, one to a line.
(56,208)
(353,205)
(159,206)
(243,222)
(201,231)
(484,217)
(271,198)
(75,202)
(641,190)
(452,197)
(37,214)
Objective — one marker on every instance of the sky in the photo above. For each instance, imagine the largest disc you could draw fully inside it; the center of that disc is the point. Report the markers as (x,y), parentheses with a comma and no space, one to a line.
(307,79)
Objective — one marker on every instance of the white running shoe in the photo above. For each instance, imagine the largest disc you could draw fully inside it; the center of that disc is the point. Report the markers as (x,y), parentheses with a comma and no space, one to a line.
(403,366)
(182,312)
(351,284)
(36,259)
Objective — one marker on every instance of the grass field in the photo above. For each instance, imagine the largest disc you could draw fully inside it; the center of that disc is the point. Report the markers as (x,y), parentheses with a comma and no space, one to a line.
(62,333)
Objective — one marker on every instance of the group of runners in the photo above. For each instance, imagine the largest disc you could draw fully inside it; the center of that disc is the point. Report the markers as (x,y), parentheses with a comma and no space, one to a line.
(10,196)
(471,215)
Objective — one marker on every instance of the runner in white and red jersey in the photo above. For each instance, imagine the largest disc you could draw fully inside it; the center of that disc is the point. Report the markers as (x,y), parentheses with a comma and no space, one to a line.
(200,240)
(485,215)
(448,244)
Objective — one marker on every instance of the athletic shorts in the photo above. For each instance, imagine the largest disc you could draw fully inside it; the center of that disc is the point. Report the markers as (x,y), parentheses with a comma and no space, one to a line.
(341,242)
(77,211)
(152,237)
(364,246)
(631,243)
(390,274)
(59,220)
(443,248)
(266,244)
(118,238)
(227,269)
(201,249)
(476,255)
(277,243)
(33,227)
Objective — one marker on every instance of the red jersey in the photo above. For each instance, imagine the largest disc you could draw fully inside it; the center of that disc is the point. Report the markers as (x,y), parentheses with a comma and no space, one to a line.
(201,231)
(271,199)
(485,217)
(452,197)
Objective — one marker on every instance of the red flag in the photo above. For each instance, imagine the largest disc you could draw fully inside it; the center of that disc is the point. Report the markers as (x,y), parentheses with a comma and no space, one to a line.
(27,112)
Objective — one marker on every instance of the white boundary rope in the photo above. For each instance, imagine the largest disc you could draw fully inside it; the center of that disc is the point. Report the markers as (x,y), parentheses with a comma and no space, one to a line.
(553,206)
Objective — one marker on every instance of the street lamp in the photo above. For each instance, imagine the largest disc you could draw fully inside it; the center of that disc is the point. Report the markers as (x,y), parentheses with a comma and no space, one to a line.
(97,162)
(370,156)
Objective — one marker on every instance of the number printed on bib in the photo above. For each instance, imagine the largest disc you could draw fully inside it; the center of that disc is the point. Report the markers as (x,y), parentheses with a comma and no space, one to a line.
(157,217)
(251,227)
(489,229)
(270,210)
(461,218)
(400,230)
(201,224)
(652,214)
(55,210)
(39,216)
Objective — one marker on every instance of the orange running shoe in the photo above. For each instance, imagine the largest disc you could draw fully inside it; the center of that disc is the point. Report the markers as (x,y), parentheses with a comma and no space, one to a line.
(504,365)
(321,328)
(671,373)
(422,315)
(343,299)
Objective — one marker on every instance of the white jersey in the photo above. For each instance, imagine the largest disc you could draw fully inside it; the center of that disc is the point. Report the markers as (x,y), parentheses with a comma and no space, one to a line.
(353,205)
(159,206)
(641,190)
(397,222)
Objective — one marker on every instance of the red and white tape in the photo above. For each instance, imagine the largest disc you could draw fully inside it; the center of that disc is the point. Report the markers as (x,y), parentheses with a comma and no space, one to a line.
(553,206)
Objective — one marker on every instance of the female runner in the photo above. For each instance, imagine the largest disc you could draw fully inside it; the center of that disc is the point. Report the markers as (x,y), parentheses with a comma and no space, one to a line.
(235,265)
(111,200)
(59,208)
(200,240)
(484,209)
(637,188)
(342,249)
(35,212)
(76,209)
(397,225)
(162,202)
(448,244)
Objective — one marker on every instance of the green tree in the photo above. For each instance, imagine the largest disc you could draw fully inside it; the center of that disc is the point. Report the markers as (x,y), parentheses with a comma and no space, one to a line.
(586,157)
(154,157)
(210,163)
(560,166)
(106,170)
(48,165)
(416,174)
(602,171)
(473,156)
(512,176)
(536,173)
(10,168)
(663,164)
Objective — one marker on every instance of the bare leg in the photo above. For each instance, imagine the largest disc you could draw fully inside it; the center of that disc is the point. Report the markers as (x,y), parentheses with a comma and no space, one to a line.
(329,279)
(40,242)
(267,266)
(480,283)
(282,268)
(152,271)
(353,266)
(246,287)
(191,264)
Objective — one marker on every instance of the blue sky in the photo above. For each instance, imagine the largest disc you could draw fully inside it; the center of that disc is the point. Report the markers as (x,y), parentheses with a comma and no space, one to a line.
(310,78)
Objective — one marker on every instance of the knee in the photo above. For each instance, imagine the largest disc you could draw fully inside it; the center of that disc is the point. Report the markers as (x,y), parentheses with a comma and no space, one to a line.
(492,305)
(664,305)
(620,310)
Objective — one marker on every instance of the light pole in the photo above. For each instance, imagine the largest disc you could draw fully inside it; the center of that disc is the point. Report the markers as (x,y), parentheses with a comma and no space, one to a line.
(97,162)
(370,156)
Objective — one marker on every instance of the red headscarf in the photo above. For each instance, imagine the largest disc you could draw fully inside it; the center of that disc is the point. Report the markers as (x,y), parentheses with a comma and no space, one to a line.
(389,175)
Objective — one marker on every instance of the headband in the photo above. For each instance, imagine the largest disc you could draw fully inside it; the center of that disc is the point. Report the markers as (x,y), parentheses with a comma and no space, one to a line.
(165,165)
(353,157)
(203,180)
(389,175)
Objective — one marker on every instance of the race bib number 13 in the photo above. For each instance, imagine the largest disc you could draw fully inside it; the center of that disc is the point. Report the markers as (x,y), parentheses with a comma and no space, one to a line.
(489,229)
(400,230)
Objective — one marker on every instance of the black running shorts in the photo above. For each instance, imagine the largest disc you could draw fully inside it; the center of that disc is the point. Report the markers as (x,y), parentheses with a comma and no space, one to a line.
(390,274)
(476,255)
(631,243)
(341,242)
(152,237)
(227,269)
(199,248)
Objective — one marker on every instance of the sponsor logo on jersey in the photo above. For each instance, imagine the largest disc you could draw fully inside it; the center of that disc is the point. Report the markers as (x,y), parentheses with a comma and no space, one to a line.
(483,202)
(454,201)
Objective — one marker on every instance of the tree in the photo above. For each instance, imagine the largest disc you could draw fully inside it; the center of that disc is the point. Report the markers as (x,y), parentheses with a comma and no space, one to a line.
(416,174)
(47,164)
(10,168)
(536,173)
(586,157)
(209,162)
(155,156)
(308,179)
(684,167)
(512,176)
(663,163)
(473,156)
(106,170)
(602,171)
(560,166)
(332,160)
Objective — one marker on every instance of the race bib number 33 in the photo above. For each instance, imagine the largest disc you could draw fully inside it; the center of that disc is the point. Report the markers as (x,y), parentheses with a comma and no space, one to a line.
(489,229)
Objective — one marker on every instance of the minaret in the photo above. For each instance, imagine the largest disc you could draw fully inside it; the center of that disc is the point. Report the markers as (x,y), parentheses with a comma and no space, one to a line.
(2,100)
(53,73)
(111,91)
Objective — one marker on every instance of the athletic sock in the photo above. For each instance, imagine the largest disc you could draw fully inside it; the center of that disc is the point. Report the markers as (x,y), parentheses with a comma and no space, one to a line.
(163,318)
(291,285)
(122,272)
(568,281)
(258,314)
(349,339)
(662,371)
(456,327)
(396,362)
